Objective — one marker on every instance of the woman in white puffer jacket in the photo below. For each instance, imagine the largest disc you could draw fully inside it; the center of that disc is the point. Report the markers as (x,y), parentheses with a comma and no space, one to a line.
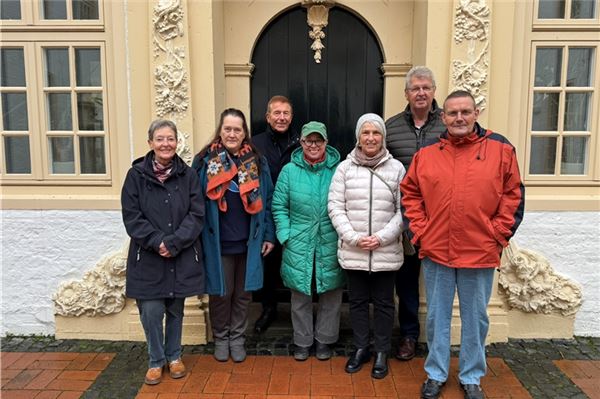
(364,207)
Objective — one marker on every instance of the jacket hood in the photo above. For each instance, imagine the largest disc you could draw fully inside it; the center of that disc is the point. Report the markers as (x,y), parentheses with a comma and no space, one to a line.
(332,158)
(144,164)
(352,157)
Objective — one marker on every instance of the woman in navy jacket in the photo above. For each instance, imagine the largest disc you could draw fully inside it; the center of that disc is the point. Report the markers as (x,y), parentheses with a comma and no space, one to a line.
(237,190)
(163,214)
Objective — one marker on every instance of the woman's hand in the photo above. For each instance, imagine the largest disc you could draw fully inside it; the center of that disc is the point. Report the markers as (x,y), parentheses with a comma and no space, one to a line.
(267,247)
(163,251)
(369,243)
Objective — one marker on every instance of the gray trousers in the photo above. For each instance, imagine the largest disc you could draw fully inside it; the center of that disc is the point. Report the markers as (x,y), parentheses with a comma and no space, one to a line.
(229,313)
(327,328)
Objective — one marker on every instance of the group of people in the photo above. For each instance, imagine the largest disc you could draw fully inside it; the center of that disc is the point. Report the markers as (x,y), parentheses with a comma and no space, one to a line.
(428,187)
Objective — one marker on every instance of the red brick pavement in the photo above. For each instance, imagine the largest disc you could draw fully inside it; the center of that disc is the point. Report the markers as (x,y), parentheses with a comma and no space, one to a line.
(584,373)
(50,375)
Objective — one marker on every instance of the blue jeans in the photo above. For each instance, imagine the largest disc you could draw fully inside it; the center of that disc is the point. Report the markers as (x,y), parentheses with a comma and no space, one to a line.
(152,312)
(474,288)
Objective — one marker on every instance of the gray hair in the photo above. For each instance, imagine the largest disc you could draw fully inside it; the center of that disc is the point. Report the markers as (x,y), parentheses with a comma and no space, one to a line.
(421,72)
(374,120)
(159,124)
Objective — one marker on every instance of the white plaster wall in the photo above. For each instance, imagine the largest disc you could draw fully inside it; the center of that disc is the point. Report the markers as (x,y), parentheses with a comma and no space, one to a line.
(41,249)
(571,242)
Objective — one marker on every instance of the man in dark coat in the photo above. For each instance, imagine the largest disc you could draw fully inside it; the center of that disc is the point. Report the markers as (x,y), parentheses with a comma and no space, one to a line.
(408,131)
(276,144)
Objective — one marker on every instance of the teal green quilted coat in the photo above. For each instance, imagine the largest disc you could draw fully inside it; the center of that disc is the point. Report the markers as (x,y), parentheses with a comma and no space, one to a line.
(303,226)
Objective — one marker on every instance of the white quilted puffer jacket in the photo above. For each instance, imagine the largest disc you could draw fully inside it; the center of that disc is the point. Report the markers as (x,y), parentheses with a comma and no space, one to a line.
(361,204)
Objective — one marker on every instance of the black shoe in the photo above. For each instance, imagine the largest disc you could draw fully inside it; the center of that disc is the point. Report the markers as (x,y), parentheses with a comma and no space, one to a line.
(406,349)
(323,351)
(431,389)
(357,359)
(268,315)
(472,391)
(301,352)
(380,366)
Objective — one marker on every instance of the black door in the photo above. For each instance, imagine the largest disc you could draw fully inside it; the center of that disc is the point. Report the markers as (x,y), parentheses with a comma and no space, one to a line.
(346,84)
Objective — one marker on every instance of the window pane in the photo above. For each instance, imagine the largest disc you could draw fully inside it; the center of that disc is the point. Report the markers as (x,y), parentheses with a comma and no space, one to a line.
(551,9)
(59,111)
(583,9)
(16,152)
(12,67)
(57,67)
(91,153)
(55,9)
(577,111)
(60,154)
(548,61)
(545,112)
(85,9)
(10,9)
(89,111)
(543,155)
(574,155)
(579,72)
(14,111)
(87,66)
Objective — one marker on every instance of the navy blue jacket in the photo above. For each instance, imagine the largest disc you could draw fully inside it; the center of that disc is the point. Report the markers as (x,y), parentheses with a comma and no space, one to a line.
(277,157)
(171,212)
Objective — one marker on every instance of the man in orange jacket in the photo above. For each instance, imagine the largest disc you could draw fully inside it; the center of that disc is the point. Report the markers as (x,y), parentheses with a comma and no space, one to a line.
(463,199)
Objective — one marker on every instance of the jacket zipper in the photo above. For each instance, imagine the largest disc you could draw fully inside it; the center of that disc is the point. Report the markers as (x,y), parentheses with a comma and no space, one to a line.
(138,253)
(196,253)
(370,215)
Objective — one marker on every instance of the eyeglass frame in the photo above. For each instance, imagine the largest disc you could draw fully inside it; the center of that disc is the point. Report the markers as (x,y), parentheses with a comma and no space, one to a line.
(426,89)
(310,143)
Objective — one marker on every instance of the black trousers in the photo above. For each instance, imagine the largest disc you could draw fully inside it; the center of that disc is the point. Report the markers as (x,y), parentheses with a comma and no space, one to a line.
(407,289)
(267,295)
(379,288)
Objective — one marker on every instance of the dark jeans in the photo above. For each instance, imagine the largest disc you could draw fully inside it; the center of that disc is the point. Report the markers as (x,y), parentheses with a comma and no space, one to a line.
(272,278)
(162,347)
(407,289)
(379,287)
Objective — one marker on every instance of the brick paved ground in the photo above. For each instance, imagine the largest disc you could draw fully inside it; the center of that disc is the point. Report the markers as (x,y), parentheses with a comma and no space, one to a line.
(544,368)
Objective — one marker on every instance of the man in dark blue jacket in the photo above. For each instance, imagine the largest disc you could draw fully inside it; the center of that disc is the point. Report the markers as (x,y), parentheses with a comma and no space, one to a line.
(276,144)
(408,131)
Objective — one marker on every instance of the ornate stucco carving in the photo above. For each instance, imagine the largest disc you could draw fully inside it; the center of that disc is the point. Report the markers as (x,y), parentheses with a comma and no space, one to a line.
(317,19)
(170,75)
(472,29)
(531,284)
(101,291)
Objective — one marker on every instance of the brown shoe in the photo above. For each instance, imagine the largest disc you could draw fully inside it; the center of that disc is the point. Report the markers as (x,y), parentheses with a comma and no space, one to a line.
(153,375)
(406,350)
(177,369)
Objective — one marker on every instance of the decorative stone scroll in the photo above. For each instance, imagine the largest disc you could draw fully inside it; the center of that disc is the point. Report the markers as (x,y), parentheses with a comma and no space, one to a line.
(472,25)
(317,19)
(101,291)
(531,285)
(170,75)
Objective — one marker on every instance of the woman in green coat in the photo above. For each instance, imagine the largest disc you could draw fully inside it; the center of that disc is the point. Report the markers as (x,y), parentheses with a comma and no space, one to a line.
(309,242)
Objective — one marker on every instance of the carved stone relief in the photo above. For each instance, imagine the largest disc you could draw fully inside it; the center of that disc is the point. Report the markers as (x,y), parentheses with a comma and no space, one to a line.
(472,29)
(317,19)
(531,285)
(101,291)
(170,75)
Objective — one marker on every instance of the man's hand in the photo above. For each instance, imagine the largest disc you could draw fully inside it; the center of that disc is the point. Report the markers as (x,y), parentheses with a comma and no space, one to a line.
(267,247)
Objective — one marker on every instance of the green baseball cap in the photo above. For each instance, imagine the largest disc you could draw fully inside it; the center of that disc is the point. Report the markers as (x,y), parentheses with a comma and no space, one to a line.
(314,127)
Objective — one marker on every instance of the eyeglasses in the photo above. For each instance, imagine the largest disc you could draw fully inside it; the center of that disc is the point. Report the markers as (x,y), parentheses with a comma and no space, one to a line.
(426,89)
(310,143)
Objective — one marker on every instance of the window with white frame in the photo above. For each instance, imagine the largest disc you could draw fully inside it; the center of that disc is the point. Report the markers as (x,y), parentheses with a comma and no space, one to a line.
(563,96)
(53,97)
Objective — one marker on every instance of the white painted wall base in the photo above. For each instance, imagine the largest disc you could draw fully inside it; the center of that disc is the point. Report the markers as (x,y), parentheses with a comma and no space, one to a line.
(41,249)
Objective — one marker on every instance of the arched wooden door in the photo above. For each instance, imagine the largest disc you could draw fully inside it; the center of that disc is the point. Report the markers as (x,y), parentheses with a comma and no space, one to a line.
(346,84)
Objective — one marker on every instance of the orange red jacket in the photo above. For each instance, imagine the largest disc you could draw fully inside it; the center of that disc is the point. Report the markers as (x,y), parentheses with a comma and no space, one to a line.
(463,199)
